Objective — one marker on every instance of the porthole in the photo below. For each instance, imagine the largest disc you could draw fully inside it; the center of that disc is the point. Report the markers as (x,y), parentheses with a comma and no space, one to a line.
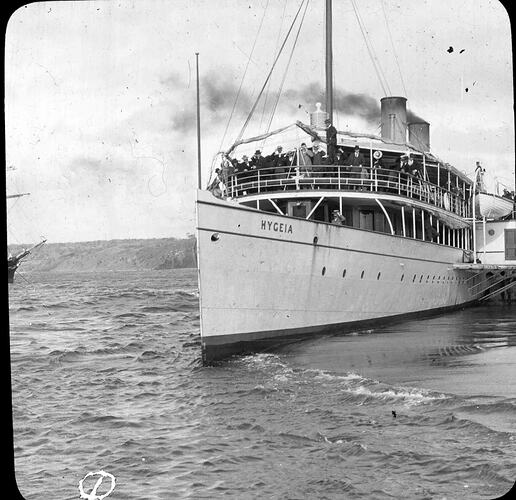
(491,232)
(323,271)
(215,237)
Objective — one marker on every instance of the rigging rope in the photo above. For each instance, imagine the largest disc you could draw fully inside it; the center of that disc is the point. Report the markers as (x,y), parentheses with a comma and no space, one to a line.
(243,76)
(370,50)
(287,67)
(275,50)
(394,49)
(269,75)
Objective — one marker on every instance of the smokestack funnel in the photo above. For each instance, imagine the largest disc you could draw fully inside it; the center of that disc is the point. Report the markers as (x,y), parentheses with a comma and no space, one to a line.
(419,135)
(394,119)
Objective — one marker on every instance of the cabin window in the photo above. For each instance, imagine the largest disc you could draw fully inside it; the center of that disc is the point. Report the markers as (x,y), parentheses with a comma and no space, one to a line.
(510,244)
(299,211)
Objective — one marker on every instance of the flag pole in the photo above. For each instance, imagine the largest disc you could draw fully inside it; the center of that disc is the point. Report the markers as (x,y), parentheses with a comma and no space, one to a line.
(198,125)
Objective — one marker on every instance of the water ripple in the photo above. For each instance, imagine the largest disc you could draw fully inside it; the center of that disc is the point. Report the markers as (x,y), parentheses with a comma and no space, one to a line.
(107,375)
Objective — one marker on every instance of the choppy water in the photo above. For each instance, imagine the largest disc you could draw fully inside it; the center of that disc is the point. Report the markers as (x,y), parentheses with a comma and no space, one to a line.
(106,375)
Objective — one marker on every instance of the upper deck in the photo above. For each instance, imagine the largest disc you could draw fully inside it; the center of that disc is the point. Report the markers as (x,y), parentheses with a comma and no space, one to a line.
(344,181)
(425,182)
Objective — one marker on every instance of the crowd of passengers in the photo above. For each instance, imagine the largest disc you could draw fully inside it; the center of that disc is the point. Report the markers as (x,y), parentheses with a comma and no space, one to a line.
(354,165)
(307,157)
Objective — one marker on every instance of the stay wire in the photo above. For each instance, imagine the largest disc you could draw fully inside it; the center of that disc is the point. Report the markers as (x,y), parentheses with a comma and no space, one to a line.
(287,67)
(370,50)
(269,75)
(243,76)
(275,50)
(393,48)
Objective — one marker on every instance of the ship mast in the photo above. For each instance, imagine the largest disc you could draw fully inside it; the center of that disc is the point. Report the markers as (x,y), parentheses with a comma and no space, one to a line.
(329,62)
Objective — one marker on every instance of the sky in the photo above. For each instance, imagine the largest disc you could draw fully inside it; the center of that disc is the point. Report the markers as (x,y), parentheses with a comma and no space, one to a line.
(100,97)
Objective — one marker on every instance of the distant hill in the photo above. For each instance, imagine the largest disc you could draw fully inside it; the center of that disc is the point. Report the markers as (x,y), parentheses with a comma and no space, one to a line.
(111,255)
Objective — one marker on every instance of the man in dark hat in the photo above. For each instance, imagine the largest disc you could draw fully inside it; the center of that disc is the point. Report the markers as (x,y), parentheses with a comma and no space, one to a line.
(395,171)
(331,141)
(277,160)
(244,165)
(257,161)
(340,157)
(356,162)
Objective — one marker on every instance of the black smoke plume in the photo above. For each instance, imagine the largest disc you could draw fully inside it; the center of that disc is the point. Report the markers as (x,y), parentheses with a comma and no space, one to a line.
(346,103)
(413,118)
(218,96)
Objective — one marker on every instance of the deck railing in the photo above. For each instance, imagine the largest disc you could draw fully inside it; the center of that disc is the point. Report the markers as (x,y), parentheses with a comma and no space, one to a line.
(342,178)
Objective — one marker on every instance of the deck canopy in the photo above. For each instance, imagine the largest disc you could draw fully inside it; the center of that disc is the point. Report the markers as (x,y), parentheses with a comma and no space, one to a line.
(289,137)
(292,136)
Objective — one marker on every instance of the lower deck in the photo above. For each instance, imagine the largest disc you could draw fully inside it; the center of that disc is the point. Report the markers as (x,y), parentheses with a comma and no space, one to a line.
(384,213)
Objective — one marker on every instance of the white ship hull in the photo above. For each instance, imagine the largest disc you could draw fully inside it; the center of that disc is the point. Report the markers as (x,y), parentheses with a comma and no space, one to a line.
(262,278)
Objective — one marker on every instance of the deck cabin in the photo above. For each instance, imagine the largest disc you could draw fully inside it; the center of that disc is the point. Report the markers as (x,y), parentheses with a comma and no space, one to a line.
(430,202)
